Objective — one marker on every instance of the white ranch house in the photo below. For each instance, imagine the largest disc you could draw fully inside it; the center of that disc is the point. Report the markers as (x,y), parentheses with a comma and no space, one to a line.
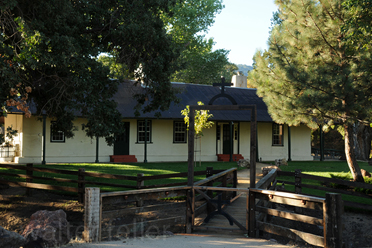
(167,135)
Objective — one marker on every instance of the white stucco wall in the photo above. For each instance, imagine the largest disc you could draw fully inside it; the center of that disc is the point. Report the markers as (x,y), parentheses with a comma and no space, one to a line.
(80,148)
(161,148)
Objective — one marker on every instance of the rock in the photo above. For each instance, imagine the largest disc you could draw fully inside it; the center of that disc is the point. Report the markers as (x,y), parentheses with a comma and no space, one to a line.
(47,229)
(365,173)
(267,169)
(279,162)
(244,163)
(10,239)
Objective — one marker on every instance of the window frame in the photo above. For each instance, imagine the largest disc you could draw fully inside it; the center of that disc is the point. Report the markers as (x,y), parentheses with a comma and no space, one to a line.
(179,132)
(277,134)
(52,135)
(149,127)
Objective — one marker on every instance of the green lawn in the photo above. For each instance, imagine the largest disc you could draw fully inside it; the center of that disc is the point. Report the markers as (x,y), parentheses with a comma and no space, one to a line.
(323,169)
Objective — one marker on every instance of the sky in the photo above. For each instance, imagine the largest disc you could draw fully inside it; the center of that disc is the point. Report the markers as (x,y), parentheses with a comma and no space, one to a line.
(243,28)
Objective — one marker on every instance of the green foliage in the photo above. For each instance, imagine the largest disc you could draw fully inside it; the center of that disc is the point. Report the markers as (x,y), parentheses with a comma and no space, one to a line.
(201,64)
(313,71)
(201,119)
(310,74)
(198,63)
(48,54)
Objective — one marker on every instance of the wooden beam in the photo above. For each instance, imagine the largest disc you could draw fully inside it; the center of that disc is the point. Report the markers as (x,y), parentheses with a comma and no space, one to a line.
(291,233)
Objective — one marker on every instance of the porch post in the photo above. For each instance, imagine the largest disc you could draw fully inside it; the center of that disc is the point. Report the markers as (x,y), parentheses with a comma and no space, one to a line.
(231,141)
(252,183)
(321,143)
(190,172)
(145,159)
(289,144)
(97,149)
(44,139)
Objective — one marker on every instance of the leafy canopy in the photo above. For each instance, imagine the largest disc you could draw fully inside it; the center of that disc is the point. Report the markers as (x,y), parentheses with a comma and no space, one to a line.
(48,52)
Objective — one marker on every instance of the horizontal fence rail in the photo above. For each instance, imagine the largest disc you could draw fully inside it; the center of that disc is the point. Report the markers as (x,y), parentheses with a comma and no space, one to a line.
(323,181)
(329,208)
(80,179)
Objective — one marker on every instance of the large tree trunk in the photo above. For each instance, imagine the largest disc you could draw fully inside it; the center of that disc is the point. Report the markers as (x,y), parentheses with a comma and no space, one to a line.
(362,141)
(350,155)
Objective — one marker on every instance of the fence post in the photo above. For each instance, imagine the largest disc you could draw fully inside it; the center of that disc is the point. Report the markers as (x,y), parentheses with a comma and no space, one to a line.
(29,173)
(224,184)
(209,173)
(190,206)
(251,209)
(140,184)
(298,189)
(92,218)
(332,215)
(235,181)
(81,185)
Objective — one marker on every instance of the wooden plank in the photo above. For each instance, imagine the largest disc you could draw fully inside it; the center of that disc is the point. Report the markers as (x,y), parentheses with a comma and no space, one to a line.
(39,169)
(353,193)
(218,175)
(39,186)
(144,191)
(164,185)
(290,215)
(291,233)
(329,180)
(289,195)
(337,181)
(173,175)
(110,184)
(292,202)
(130,197)
(221,189)
(266,181)
(134,210)
(109,176)
(286,173)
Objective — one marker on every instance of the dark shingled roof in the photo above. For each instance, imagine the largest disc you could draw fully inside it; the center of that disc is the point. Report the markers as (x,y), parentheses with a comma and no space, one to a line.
(190,95)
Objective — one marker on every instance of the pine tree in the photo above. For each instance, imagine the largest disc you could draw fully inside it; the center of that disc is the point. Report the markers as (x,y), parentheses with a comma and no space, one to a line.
(312,73)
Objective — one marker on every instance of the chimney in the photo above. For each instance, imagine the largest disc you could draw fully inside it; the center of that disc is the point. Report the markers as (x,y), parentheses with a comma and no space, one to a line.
(239,80)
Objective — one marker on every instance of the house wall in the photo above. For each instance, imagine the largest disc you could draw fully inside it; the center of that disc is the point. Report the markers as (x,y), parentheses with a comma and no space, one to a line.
(161,148)
(80,148)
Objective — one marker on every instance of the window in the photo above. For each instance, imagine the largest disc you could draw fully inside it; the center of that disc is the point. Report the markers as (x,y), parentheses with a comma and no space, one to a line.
(179,132)
(55,134)
(277,134)
(141,131)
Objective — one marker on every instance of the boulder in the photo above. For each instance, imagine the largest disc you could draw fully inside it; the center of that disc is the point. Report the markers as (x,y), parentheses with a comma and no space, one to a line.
(47,228)
(365,173)
(10,239)
(244,163)
(267,169)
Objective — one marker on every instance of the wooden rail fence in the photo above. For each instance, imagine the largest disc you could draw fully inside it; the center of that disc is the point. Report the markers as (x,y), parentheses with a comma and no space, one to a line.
(299,185)
(104,212)
(82,179)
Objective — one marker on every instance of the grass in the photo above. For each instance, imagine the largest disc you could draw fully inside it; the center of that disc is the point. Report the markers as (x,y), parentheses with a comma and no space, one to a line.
(148,169)
(330,169)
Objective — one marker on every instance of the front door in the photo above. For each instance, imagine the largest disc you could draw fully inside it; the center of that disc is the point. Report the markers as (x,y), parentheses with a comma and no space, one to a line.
(226,139)
(121,146)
